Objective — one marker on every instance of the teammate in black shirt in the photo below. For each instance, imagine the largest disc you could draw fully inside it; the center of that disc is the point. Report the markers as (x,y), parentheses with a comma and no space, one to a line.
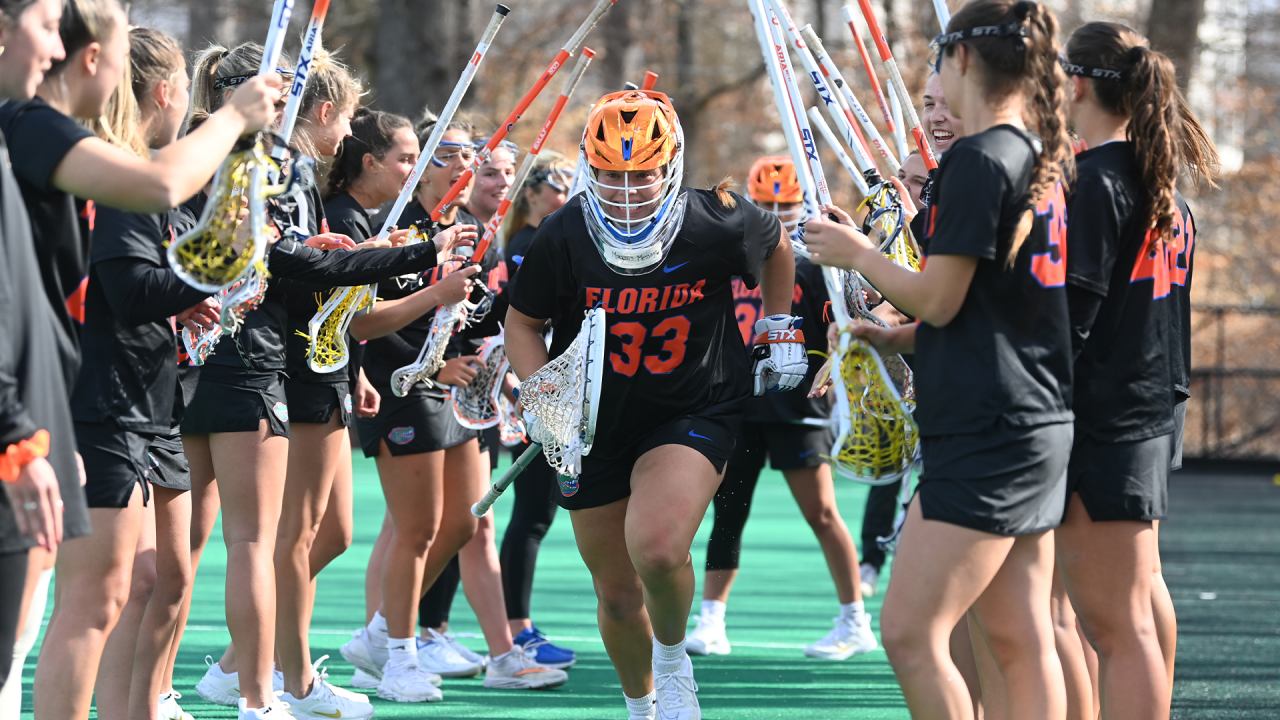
(1126,237)
(660,259)
(992,370)
(792,430)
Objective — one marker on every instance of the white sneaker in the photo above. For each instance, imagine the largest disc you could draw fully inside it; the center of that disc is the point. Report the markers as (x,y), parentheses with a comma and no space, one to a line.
(364,654)
(517,671)
(438,656)
(218,687)
(467,653)
(849,637)
(363,680)
(322,673)
(708,638)
(167,707)
(274,711)
(870,578)
(677,694)
(325,704)
(407,682)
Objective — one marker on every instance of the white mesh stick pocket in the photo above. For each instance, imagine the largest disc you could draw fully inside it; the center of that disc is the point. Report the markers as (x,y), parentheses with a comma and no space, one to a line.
(477,405)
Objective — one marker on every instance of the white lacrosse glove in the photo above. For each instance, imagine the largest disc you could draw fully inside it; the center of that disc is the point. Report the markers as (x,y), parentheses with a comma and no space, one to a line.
(779,358)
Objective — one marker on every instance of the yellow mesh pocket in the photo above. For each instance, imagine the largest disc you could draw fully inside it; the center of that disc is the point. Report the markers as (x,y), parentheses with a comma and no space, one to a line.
(327,330)
(878,440)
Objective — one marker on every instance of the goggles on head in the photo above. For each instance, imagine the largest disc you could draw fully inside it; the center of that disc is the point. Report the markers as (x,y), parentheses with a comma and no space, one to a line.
(941,42)
(446,151)
(1093,73)
(558,178)
(227,83)
(502,145)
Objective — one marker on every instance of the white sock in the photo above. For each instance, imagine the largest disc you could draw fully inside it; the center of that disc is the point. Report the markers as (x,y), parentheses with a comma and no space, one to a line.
(667,656)
(851,611)
(714,609)
(643,706)
(403,650)
(378,629)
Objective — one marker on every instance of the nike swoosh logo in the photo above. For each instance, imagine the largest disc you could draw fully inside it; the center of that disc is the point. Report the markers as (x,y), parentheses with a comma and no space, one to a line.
(694,434)
(806,454)
(668,268)
(336,714)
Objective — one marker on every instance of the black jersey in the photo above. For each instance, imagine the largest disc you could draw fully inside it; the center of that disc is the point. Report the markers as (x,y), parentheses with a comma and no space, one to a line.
(309,219)
(516,249)
(808,301)
(385,355)
(1007,352)
(347,217)
(673,347)
(131,373)
(1181,265)
(1122,389)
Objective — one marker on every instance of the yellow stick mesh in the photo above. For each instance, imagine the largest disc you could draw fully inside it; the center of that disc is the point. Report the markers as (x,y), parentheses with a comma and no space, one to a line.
(328,351)
(880,440)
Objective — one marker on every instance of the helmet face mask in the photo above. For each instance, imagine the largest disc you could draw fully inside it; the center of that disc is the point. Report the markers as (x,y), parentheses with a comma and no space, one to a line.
(789,213)
(773,185)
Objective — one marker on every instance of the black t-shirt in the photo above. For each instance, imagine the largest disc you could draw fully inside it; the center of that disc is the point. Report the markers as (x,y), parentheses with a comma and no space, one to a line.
(39,137)
(132,372)
(808,301)
(1007,352)
(673,346)
(346,217)
(516,249)
(1122,388)
(1180,270)
(384,355)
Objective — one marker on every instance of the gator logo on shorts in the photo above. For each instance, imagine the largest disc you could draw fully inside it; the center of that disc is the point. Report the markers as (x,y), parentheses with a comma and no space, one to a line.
(568,485)
(282,411)
(347,403)
(152,463)
(401,435)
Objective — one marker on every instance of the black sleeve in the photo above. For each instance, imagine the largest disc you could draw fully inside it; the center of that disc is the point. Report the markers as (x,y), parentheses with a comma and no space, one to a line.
(16,423)
(1093,234)
(39,137)
(760,234)
(971,194)
(1083,307)
(298,268)
(546,272)
(140,292)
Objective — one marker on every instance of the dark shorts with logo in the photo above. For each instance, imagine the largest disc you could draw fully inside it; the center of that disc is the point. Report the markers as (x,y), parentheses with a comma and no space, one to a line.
(412,426)
(788,446)
(711,431)
(315,402)
(231,399)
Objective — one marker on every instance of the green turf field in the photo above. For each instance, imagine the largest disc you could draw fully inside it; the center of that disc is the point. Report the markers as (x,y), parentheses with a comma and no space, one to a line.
(1224,543)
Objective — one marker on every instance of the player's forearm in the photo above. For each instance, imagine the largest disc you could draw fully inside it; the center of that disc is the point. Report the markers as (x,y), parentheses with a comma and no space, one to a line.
(389,316)
(525,347)
(777,284)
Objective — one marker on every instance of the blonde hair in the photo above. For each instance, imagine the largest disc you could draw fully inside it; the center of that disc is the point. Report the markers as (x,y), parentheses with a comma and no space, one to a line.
(215,66)
(84,22)
(329,81)
(518,215)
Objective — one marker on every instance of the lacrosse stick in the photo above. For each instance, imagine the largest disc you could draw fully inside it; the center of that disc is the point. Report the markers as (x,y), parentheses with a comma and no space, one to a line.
(836,112)
(310,41)
(431,357)
(570,47)
(895,80)
(650,80)
(899,138)
(517,183)
(510,428)
(562,400)
(816,119)
(943,12)
(212,255)
(327,329)
(476,405)
(885,112)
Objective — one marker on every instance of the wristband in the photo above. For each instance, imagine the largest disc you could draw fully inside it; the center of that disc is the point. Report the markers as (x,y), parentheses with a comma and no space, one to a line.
(19,454)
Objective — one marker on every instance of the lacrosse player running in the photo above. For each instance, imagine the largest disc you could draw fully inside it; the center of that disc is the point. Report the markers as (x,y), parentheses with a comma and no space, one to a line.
(660,259)
(993,367)
(790,430)
(1126,237)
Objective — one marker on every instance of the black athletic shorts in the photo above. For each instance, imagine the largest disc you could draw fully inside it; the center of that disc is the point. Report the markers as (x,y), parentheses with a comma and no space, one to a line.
(711,431)
(412,426)
(114,461)
(167,466)
(315,403)
(490,443)
(788,446)
(1003,479)
(231,399)
(1179,427)
(1122,481)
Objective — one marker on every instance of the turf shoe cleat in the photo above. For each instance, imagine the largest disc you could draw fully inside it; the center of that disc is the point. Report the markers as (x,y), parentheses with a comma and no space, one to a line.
(708,638)
(438,656)
(851,636)
(167,707)
(363,680)
(322,673)
(465,652)
(677,693)
(362,653)
(407,682)
(274,711)
(325,704)
(517,670)
(544,653)
(218,687)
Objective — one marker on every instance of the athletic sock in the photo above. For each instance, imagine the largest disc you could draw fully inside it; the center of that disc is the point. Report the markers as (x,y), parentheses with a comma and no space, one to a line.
(668,658)
(378,629)
(714,610)
(851,611)
(642,706)
(403,650)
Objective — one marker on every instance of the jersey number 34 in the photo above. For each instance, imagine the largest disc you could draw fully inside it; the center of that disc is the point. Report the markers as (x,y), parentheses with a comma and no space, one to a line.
(673,331)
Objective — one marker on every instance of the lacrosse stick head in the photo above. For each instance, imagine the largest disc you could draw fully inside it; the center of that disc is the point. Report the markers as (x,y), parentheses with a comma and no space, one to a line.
(431,358)
(563,397)
(327,329)
(510,427)
(245,295)
(476,405)
(200,345)
(877,440)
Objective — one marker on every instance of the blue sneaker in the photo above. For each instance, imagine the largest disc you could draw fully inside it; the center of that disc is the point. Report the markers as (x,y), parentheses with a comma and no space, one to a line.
(543,652)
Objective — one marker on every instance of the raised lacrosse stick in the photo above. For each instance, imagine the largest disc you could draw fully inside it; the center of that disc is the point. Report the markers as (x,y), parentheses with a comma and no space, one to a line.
(895,79)
(854,107)
(650,80)
(885,111)
(212,256)
(327,329)
(570,47)
(476,405)
(560,403)
(310,41)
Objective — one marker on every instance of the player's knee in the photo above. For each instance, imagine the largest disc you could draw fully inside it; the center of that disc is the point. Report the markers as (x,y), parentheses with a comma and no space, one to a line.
(143,582)
(660,560)
(821,517)
(620,602)
(416,539)
(905,642)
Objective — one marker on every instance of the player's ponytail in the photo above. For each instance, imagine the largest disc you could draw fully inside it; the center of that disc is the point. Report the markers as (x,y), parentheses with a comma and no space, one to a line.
(1132,80)
(1027,64)
(722,192)
(219,70)
(329,81)
(372,133)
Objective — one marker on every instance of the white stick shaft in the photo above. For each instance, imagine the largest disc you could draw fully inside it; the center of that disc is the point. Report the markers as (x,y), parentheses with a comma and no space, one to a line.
(442,124)
(899,132)
(310,42)
(943,12)
(835,292)
(819,122)
(597,12)
(846,92)
(274,45)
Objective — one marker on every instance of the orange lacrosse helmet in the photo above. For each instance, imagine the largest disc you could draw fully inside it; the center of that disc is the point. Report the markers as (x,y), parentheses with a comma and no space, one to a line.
(632,130)
(773,180)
